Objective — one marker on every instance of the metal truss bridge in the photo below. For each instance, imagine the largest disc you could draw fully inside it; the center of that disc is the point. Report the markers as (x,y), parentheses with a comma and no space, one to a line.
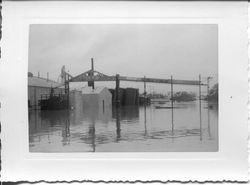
(91,76)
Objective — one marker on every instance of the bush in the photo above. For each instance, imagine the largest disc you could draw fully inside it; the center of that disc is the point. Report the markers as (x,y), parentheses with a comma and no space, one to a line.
(213,94)
(184,96)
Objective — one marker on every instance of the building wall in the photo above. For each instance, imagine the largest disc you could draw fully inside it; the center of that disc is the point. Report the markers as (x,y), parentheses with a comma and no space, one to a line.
(90,100)
(131,96)
(75,100)
(98,106)
(104,98)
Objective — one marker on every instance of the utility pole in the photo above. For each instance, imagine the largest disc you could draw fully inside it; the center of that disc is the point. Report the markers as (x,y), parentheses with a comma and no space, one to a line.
(172,104)
(145,108)
(200,107)
(208,114)
(117,99)
(66,88)
(92,73)
(91,82)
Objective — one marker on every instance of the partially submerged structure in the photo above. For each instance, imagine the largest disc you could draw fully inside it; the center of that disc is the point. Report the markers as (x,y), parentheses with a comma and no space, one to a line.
(98,97)
(127,96)
(39,87)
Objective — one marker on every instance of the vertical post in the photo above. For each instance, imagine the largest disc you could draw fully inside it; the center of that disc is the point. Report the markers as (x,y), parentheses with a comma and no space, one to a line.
(118,124)
(92,135)
(145,93)
(92,72)
(144,87)
(208,114)
(66,89)
(117,90)
(208,122)
(67,125)
(65,85)
(145,119)
(200,107)
(47,76)
(68,92)
(145,108)
(103,106)
(117,101)
(92,64)
(172,104)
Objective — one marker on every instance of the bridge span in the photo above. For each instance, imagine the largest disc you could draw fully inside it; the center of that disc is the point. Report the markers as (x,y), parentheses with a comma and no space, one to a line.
(91,76)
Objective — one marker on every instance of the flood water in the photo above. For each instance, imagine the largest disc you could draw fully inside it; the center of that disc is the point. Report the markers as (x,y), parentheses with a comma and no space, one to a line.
(128,129)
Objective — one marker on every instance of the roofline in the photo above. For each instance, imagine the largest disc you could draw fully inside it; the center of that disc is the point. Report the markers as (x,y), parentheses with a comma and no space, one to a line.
(42,78)
(46,87)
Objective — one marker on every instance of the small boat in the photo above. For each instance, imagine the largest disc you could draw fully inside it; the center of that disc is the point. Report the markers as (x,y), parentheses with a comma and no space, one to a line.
(164,107)
(167,107)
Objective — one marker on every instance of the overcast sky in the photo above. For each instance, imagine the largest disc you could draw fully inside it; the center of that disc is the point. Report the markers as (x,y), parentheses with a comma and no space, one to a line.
(156,51)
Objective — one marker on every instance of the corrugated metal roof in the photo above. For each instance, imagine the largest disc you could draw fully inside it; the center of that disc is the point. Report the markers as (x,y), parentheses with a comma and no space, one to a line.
(89,90)
(41,82)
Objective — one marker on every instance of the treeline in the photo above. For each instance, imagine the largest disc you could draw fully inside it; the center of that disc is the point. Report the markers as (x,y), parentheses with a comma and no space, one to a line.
(184,96)
(191,96)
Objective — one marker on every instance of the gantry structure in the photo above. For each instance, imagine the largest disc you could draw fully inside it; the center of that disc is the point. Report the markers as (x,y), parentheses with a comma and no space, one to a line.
(91,76)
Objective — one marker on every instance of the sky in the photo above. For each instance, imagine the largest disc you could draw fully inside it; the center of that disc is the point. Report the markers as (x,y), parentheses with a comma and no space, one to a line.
(137,50)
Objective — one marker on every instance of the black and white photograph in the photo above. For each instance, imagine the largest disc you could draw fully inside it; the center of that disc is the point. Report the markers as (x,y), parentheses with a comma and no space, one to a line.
(123,88)
(124,91)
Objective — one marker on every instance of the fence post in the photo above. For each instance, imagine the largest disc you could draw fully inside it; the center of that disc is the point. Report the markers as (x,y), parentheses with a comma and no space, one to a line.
(200,107)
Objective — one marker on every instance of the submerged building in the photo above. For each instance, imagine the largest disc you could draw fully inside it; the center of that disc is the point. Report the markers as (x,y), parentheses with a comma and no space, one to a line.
(127,96)
(38,87)
(99,97)
(92,104)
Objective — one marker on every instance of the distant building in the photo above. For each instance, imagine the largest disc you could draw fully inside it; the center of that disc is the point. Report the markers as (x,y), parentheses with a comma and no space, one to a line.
(37,87)
(99,97)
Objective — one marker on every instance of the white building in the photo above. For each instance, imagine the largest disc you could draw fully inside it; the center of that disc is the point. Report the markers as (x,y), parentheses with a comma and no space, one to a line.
(99,97)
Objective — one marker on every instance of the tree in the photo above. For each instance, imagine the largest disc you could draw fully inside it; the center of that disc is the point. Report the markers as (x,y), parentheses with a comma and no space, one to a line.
(213,94)
(184,96)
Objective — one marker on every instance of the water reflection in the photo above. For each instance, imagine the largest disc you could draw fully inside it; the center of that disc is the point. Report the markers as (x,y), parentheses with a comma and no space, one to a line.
(118,124)
(208,123)
(126,113)
(66,130)
(130,128)
(92,135)
(145,120)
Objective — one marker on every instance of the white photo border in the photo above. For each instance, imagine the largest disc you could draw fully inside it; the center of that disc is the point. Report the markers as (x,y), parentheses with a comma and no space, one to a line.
(229,163)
